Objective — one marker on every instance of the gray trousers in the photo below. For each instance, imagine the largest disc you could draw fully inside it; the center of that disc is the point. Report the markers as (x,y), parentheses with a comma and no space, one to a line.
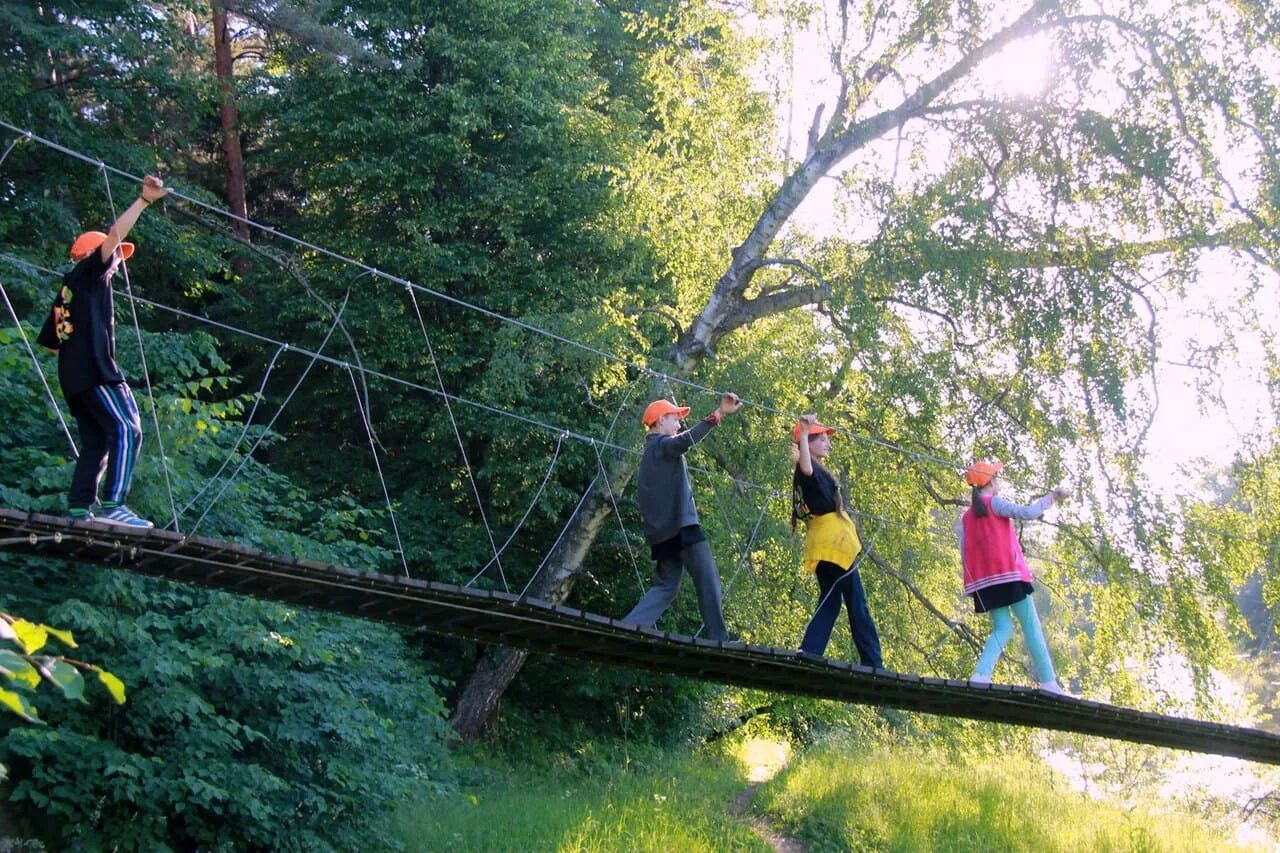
(695,559)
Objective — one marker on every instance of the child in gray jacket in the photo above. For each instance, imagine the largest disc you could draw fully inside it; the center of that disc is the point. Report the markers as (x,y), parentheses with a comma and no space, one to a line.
(671,525)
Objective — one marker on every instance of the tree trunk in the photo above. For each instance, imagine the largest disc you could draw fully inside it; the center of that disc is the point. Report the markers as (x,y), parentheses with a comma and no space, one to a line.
(479,699)
(497,667)
(229,116)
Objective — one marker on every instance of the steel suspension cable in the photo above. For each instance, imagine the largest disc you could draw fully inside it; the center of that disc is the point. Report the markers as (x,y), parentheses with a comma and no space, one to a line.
(935,458)
(53,401)
(547,557)
(937,533)
(519,524)
(586,439)
(626,540)
(244,429)
(146,373)
(743,559)
(271,423)
(462,447)
(373,448)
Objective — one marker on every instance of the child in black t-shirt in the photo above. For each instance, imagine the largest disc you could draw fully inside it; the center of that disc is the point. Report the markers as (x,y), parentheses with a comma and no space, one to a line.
(81,330)
(832,550)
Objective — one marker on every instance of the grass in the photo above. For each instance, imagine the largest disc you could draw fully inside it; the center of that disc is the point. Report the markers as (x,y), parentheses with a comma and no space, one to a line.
(831,799)
(836,801)
(670,802)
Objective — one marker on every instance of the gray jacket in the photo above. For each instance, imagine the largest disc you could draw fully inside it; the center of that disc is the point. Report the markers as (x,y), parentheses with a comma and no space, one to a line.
(662,483)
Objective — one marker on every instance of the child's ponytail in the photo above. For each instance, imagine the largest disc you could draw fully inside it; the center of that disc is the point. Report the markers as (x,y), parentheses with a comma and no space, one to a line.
(978,504)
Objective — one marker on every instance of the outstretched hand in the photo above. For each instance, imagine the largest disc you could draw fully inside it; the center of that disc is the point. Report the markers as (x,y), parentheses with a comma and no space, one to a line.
(153,189)
(729,404)
(1061,493)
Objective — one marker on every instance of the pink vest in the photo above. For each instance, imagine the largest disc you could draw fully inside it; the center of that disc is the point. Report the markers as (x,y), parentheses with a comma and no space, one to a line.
(992,553)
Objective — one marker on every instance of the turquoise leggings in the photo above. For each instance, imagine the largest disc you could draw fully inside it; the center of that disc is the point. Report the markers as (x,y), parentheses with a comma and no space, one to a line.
(1002,632)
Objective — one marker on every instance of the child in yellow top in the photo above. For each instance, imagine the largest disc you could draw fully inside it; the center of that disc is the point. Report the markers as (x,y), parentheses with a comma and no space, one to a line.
(831,548)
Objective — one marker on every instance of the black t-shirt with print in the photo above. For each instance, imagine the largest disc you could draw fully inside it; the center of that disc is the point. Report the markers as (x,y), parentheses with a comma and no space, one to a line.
(815,495)
(87,329)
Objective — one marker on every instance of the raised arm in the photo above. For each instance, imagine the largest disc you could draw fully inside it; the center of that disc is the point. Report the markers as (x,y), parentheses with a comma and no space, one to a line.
(805,461)
(680,443)
(1026,512)
(152,190)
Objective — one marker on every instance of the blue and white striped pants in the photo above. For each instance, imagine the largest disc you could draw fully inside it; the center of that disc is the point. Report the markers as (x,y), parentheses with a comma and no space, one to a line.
(110,435)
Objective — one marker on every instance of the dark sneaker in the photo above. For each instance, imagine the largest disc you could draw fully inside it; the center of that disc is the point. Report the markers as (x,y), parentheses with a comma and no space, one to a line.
(124,517)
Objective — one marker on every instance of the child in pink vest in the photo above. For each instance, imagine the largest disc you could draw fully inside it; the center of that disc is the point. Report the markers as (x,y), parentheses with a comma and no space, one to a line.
(996,572)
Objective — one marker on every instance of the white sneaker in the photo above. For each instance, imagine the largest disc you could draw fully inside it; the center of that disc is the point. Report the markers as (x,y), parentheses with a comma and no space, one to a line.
(124,517)
(1053,688)
(978,680)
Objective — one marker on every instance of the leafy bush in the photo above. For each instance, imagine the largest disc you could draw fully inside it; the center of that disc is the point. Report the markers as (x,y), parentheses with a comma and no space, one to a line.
(24,669)
(250,724)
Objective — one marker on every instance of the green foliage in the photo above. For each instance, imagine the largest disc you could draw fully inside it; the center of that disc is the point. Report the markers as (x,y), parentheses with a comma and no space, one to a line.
(703,122)
(992,287)
(923,800)
(316,716)
(638,801)
(557,709)
(476,161)
(117,81)
(24,669)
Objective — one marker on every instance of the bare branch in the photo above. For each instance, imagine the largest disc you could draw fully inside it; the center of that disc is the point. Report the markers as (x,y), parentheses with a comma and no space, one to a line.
(836,144)
(738,722)
(938,498)
(947,318)
(750,310)
(961,630)
(664,313)
(777,300)
(813,130)
(285,17)
(801,265)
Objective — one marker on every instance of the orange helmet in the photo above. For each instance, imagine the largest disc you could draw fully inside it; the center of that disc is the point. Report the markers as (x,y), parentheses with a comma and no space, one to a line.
(982,472)
(89,241)
(814,429)
(655,410)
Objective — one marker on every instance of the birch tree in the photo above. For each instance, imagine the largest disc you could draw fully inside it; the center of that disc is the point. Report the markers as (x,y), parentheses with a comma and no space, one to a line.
(1018,242)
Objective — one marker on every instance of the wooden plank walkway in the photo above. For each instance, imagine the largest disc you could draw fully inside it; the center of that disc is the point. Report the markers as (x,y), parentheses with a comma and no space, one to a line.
(500,618)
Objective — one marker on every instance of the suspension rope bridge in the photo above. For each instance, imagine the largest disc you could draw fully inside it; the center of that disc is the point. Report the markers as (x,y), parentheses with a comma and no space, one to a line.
(514,620)
(943,534)
(931,456)
(501,617)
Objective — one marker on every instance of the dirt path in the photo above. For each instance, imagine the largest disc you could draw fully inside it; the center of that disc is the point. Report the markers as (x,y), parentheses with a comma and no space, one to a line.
(740,808)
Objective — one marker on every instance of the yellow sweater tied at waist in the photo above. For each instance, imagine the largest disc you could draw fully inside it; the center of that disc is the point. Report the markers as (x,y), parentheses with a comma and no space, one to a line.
(832,538)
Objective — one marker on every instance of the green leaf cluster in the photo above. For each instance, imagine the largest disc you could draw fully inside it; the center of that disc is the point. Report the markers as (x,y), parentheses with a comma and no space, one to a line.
(23,668)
